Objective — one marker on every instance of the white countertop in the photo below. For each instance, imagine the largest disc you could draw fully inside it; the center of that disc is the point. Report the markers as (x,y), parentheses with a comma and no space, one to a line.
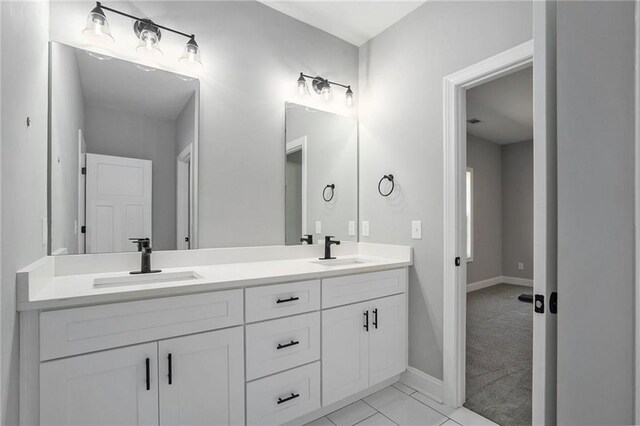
(39,287)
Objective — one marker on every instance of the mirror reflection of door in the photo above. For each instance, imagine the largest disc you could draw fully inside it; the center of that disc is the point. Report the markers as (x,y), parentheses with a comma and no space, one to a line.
(184,200)
(295,190)
(118,202)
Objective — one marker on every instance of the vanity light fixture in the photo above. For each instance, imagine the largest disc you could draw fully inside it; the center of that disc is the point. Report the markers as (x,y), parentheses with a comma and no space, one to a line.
(148,32)
(322,86)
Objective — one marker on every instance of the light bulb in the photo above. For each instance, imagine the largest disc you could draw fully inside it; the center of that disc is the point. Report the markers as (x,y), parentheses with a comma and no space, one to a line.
(191,56)
(302,85)
(148,47)
(349,97)
(326,91)
(97,30)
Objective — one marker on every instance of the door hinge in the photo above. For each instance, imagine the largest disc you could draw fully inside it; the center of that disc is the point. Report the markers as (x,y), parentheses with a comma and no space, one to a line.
(457,262)
(553,303)
(83,229)
(83,170)
(538,303)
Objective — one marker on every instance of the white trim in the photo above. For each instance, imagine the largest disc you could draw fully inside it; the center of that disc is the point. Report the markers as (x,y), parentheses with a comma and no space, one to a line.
(423,383)
(637,218)
(195,176)
(500,279)
(82,194)
(184,167)
(479,285)
(454,300)
(518,281)
(470,231)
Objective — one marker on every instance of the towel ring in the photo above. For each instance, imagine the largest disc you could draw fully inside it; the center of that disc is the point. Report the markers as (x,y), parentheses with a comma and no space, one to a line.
(332,187)
(388,177)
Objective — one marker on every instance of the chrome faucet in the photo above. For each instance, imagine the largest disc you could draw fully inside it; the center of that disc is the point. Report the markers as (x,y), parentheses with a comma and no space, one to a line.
(327,247)
(144,247)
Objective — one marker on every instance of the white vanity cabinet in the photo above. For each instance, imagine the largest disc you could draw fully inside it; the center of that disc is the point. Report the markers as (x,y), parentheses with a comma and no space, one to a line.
(266,354)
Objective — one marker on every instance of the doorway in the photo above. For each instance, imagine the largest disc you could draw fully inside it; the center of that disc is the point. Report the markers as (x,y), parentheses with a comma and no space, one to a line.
(455,270)
(184,199)
(296,190)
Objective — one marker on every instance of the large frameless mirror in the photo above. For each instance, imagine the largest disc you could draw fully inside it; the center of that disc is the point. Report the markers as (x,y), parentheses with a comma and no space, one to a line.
(123,147)
(321,175)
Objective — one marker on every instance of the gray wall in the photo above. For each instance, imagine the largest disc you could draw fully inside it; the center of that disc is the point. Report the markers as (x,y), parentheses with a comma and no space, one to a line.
(252,56)
(127,134)
(517,209)
(23,164)
(486,160)
(595,63)
(67,116)
(401,72)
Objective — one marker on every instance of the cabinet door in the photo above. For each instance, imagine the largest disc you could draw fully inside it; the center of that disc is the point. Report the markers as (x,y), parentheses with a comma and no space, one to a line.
(387,338)
(114,387)
(202,379)
(344,352)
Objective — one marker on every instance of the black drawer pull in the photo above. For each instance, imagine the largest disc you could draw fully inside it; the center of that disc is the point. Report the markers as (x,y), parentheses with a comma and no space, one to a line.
(289,398)
(375,318)
(291,299)
(147,371)
(366,320)
(169,361)
(286,345)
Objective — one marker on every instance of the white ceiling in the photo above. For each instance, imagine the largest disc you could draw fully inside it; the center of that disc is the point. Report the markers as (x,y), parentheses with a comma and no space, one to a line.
(505,108)
(121,85)
(354,21)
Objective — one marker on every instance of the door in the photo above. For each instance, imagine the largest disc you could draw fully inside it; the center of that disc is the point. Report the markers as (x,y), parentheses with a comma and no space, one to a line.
(114,387)
(387,338)
(82,163)
(118,202)
(202,379)
(184,197)
(345,361)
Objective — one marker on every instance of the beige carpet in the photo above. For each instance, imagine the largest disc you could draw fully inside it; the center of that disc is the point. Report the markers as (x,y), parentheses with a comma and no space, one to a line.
(499,349)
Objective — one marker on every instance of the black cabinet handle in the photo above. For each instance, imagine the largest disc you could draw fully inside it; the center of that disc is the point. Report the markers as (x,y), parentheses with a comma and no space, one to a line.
(375,318)
(366,320)
(291,299)
(170,364)
(286,345)
(147,368)
(289,398)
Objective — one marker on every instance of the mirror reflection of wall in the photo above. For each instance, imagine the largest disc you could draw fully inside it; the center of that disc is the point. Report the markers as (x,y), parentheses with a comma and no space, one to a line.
(321,152)
(132,131)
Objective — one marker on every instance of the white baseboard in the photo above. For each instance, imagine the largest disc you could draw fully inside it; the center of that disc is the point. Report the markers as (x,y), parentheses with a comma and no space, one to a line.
(518,281)
(498,280)
(484,284)
(423,383)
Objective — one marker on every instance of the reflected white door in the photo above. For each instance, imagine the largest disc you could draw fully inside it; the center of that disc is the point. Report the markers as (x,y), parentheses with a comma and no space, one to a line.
(118,202)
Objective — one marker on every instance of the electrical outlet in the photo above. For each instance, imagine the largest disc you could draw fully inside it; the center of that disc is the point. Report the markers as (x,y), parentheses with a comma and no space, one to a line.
(318,227)
(365,228)
(520,266)
(352,228)
(416,229)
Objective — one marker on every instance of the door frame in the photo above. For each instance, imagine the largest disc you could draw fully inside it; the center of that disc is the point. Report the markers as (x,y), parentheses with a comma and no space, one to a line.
(300,144)
(637,218)
(455,166)
(184,178)
(82,195)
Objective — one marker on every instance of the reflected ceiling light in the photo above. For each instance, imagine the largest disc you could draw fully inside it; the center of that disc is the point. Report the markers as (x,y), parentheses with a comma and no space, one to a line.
(147,31)
(97,29)
(322,86)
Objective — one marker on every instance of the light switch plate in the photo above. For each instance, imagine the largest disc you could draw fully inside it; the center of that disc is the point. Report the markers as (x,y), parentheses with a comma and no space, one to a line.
(365,228)
(318,227)
(416,229)
(352,228)
(520,266)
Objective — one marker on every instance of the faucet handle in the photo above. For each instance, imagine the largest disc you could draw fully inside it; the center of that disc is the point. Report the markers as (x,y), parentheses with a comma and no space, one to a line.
(141,242)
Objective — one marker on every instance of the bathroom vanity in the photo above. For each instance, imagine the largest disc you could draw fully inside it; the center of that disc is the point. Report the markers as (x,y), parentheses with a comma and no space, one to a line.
(264,335)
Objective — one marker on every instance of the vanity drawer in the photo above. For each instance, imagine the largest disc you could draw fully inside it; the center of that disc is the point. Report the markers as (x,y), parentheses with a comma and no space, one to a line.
(79,330)
(285,396)
(361,287)
(281,344)
(279,300)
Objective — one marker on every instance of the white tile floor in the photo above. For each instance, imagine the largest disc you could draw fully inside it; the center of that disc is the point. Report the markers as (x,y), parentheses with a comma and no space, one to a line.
(400,405)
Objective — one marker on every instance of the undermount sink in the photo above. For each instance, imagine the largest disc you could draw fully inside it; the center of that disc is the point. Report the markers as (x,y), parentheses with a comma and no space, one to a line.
(146,279)
(340,262)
